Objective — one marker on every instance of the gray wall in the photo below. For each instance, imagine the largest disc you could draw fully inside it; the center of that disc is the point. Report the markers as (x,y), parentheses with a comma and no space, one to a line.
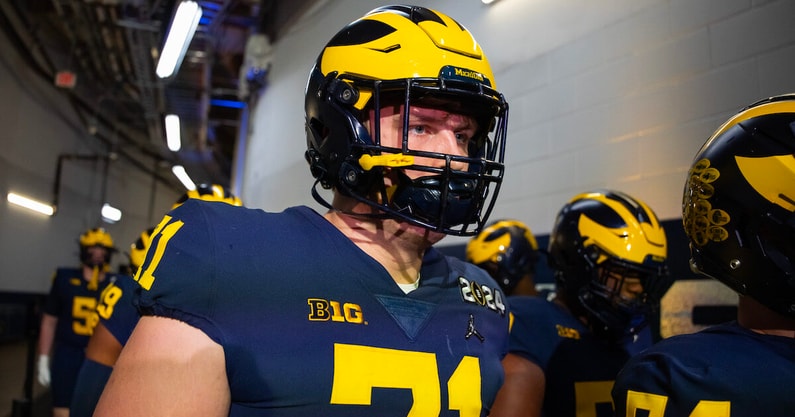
(39,124)
(617,93)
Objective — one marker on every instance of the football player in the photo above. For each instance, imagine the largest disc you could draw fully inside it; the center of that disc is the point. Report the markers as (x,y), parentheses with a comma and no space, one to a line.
(68,317)
(738,213)
(118,316)
(608,254)
(508,251)
(350,312)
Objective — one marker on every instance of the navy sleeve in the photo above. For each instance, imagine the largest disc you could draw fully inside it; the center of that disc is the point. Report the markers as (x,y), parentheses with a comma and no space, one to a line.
(90,382)
(178,276)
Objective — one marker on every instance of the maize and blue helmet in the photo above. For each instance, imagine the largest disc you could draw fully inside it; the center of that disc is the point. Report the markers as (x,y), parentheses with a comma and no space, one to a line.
(405,55)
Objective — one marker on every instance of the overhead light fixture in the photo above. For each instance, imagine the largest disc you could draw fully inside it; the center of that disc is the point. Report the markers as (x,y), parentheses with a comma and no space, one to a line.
(30,204)
(183,177)
(110,214)
(488,1)
(186,19)
(173,135)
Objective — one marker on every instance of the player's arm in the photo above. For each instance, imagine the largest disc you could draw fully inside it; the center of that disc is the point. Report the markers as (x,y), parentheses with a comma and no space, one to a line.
(45,342)
(167,368)
(102,346)
(47,333)
(90,382)
(522,394)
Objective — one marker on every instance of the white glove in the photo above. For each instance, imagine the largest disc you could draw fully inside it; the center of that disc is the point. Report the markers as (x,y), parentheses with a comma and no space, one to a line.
(43,370)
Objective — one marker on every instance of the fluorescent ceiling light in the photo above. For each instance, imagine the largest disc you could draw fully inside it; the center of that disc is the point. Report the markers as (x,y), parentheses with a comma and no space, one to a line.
(173,137)
(178,39)
(30,204)
(183,177)
(110,214)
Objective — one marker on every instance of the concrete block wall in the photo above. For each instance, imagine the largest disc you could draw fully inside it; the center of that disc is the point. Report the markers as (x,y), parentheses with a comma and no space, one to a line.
(628,106)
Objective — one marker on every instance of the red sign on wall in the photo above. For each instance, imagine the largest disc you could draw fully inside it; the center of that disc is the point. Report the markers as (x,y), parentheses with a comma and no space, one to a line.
(65,79)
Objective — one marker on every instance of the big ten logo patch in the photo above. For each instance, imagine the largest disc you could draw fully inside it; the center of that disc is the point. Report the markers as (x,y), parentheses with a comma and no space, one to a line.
(567,332)
(483,295)
(329,310)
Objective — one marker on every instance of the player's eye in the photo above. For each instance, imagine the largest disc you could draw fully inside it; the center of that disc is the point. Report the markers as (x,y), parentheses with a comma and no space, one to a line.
(462,137)
(418,129)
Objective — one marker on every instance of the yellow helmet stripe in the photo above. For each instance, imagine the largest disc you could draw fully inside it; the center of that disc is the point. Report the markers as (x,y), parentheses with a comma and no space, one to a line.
(787,106)
(773,177)
(650,241)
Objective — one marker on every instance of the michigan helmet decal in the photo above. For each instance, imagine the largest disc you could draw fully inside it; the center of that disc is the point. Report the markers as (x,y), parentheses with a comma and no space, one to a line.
(738,207)
(405,56)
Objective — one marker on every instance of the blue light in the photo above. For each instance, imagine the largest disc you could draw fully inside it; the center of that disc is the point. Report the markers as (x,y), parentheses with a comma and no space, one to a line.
(233,104)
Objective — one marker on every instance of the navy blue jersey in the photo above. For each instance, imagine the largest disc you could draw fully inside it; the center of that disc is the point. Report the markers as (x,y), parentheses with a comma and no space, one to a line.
(721,371)
(116,310)
(74,305)
(311,325)
(579,368)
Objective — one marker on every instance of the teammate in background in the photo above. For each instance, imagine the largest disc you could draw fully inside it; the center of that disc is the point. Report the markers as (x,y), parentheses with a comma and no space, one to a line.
(608,254)
(508,251)
(68,318)
(118,315)
(352,312)
(738,212)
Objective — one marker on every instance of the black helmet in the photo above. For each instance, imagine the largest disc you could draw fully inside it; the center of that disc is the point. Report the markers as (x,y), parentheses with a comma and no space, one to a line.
(402,56)
(739,201)
(506,249)
(603,234)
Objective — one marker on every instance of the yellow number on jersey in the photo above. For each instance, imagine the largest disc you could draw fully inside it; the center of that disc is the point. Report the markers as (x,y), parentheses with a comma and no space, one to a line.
(655,405)
(588,394)
(107,301)
(162,234)
(359,369)
(84,316)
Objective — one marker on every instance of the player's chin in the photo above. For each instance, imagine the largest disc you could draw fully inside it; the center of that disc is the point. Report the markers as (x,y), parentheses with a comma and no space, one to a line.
(419,232)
